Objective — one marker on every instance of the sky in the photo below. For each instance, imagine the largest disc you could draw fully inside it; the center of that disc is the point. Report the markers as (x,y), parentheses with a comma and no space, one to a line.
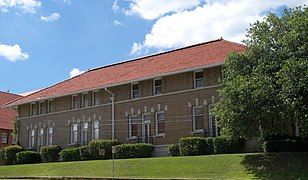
(43,42)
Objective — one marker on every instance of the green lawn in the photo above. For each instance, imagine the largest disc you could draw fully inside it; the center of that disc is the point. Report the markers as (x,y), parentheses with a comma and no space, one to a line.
(231,166)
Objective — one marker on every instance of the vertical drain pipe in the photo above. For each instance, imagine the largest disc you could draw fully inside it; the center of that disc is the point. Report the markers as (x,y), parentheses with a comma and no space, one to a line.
(112,111)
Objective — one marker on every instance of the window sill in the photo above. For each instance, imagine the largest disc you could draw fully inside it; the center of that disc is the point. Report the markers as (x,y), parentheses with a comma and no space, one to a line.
(160,135)
(132,138)
(197,131)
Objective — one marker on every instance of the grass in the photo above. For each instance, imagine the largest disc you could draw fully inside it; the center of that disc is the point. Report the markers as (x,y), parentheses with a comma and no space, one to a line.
(227,166)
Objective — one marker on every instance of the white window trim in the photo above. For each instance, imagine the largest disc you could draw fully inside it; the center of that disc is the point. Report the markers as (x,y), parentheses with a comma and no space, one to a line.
(156,125)
(40,111)
(49,108)
(84,139)
(6,139)
(194,120)
(93,98)
(32,141)
(31,112)
(131,90)
(195,80)
(210,122)
(40,137)
(82,100)
(130,127)
(72,102)
(154,87)
(48,135)
(72,133)
(93,129)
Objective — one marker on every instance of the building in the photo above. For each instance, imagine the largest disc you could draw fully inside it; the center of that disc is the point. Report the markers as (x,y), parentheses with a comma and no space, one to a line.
(157,99)
(7,117)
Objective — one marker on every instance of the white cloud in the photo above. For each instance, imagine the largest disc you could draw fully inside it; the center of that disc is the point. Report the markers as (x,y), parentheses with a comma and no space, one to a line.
(52,17)
(117,23)
(25,6)
(115,6)
(212,20)
(153,9)
(12,52)
(75,72)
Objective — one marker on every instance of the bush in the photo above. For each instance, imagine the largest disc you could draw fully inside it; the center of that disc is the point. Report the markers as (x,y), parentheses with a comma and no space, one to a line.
(28,157)
(270,136)
(70,154)
(224,145)
(10,154)
(1,156)
(138,150)
(87,153)
(95,145)
(191,146)
(50,153)
(279,146)
(174,150)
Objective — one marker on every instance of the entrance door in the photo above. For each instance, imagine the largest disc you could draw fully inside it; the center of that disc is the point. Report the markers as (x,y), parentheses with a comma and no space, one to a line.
(146,128)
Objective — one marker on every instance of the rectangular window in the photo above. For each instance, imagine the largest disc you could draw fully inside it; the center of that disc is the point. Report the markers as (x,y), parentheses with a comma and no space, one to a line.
(213,128)
(95,130)
(4,139)
(85,100)
(49,136)
(132,126)
(160,123)
(158,87)
(75,102)
(135,90)
(198,118)
(84,133)
(31,138)
(95,98)
(41,107)
(40,138)
(198,79)
(49,106)
(33,110)
(74,133)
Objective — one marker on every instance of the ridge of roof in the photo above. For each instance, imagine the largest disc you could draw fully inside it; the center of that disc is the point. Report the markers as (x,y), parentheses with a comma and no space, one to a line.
(9,93)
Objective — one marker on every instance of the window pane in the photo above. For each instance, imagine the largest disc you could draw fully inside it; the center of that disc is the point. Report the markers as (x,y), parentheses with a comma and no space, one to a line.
(161,127)
(199,75)
(158,90)
(146,117)
(133,129)
(158,82)
(135,94)
(199,122)
(135,87)
(199,83)
(160,116)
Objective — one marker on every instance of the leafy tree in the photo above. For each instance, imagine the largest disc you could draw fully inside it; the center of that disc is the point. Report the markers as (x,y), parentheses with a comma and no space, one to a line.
(266,87)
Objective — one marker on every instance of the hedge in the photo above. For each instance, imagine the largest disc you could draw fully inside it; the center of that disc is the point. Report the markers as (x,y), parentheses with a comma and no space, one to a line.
(70,154)
(138,150)
(87,153)
(224,145)
(191,146)
(174,150)
(50,153)
(1,156)
(270,136)
(95,145)
(28,157)
(10,154)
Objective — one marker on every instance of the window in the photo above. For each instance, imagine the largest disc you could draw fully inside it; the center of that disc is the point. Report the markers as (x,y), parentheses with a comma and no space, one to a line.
(198,79)
(84,133)
(213,129)
(32,138)
(4,139)
(74,101)
(40,138)
(95,131)
(32,109)
(132,126)
(74,133)
(49,136)
(198,118)
(135,90)
(85,100)
(41,107)
(160,123)
(95,98)
(49,106)
(158,87)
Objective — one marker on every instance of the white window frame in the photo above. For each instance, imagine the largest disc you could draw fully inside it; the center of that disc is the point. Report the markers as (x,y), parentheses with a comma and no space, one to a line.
(40,107)
(95,129)
(31,138)
(4,138)
(154,86)
(49,106)
(75,105)
(132,91)
(146,122)
(211,133)
(40,137)
(130,126)
(49,135)
(84,102)
(195,80)
(94,99)
(194,118)
(74,133)
(33,111)
(156,123)
(84,133)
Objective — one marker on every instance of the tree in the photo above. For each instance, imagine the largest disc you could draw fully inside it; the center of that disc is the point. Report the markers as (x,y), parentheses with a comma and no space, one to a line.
(265,88)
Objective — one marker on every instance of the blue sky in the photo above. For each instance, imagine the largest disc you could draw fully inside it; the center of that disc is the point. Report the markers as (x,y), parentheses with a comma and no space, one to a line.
(41,42)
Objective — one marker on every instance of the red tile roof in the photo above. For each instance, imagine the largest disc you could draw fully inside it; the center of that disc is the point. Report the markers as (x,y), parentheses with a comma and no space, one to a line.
(7,115)
(188,58)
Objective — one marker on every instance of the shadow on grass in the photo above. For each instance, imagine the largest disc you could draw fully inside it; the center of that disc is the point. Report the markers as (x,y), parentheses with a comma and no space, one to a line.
(291,165)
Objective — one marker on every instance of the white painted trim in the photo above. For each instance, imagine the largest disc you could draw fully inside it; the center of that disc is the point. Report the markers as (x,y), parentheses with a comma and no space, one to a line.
(130,128)
(154,94)
(127,101)
(131,90)
(156,124)
(194,78)
(193,119)
(72,101)
(82,100)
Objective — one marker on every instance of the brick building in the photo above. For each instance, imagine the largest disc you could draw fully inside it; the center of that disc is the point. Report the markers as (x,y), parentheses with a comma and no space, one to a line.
(7,116)
(158,99)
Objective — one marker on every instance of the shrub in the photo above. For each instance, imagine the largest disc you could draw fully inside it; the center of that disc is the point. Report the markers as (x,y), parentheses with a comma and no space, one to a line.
(50,153)
(10,154)
(28,157)
(174,150)
(228,145)
(279,146)
(270,136)
(191,146)
(70,154)
(95,145)
(1,156)
(87,153)
(138,150)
